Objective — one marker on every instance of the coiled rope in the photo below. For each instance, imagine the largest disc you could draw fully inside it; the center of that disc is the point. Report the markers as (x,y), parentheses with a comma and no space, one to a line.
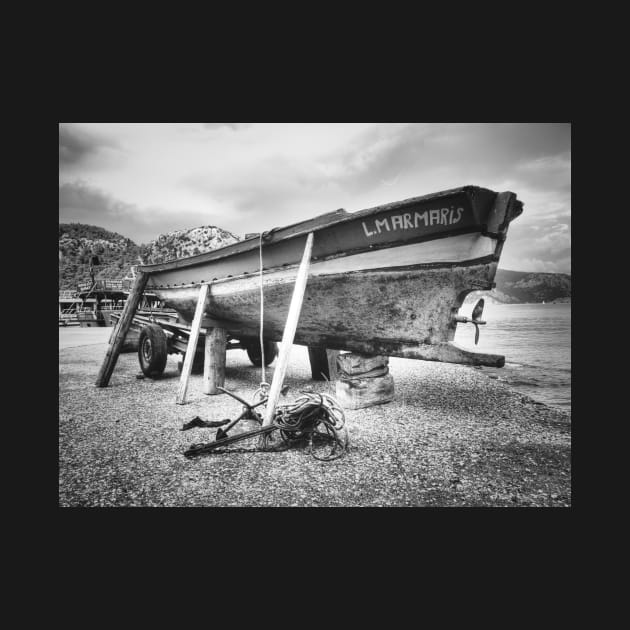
(317,418)
(309,414)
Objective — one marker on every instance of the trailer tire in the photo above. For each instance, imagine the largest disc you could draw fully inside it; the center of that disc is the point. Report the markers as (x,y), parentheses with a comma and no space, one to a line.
(152,350)
(253,352)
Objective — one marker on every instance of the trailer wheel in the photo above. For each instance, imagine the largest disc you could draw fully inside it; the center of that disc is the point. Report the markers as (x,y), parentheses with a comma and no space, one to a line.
(271,352)
(152,350)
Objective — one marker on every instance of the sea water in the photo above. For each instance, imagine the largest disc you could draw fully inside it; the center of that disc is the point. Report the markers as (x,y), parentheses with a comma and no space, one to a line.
(536,342)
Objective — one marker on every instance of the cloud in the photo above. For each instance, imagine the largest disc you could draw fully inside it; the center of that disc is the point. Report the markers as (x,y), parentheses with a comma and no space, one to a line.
(247,177)
(83,203)
(417,158)
(458,154)
(91,202)
(543,246)
(413,159)
(390,162)
(274,187)
(232,126)
(380,155)
(551,173)
(284,183)
(77,146)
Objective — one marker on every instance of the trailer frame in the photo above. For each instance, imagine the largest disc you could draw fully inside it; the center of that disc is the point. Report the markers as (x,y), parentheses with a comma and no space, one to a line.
(178,334)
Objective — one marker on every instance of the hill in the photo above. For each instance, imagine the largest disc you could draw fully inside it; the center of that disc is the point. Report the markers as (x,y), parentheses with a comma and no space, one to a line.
(77,242)
(117,254)
(517,287)
(181,243)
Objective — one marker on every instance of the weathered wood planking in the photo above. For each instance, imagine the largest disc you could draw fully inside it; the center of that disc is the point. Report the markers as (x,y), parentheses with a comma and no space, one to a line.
(456,248)
(214,361)
(192,344)
(346,310)
(332,355)
(289,333)
(118,337)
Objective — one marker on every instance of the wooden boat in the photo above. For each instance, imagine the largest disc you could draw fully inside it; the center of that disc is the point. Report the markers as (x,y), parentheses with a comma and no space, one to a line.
(387,280)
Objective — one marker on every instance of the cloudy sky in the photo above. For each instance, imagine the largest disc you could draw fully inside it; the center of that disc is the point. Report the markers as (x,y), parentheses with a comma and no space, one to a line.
(141,180)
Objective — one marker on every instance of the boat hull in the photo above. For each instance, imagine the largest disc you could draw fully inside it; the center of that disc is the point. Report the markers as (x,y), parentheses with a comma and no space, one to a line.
(364,311)
(396,296)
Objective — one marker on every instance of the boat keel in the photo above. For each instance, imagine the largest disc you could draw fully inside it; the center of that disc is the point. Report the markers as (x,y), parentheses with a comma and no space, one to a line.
(451,352)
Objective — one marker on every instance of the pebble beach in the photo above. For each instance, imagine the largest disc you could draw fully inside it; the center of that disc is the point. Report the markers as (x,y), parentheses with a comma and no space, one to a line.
(452,437)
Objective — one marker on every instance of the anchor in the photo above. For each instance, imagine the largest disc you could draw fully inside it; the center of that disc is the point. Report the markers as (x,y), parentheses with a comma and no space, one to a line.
(476,314)
(295,421)
(222,438)
(246,413)
(225,439)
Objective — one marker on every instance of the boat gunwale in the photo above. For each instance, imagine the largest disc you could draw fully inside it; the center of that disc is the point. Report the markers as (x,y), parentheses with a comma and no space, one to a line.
(351,252)
(481,260)
(250,244)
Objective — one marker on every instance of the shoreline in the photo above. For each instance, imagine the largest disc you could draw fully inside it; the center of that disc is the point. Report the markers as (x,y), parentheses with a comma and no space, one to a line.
(451,437)
(495,302)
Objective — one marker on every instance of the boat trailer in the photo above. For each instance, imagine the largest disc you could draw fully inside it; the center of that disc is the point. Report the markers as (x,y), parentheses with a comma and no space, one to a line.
(154,337)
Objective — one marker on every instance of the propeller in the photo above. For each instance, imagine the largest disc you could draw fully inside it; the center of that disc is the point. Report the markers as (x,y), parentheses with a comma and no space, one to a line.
(478,310)
(476,315)
(475,319)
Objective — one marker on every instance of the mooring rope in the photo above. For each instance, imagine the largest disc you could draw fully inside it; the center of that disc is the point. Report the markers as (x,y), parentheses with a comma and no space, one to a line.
(317,418)
(304,417)
(262,343)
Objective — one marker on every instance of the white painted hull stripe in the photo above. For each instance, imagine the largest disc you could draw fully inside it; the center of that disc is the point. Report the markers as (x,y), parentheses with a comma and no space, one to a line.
(453,249)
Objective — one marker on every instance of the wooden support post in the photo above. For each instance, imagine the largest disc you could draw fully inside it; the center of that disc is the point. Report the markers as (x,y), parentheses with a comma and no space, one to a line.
(332,364)
(289,331)
(120,332)
(323,363)
(192,345)
(214,361)
(113,333)
(319,363)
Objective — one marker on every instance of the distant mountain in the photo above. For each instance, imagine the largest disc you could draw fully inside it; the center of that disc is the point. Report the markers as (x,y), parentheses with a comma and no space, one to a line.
(517,287)
(117,254)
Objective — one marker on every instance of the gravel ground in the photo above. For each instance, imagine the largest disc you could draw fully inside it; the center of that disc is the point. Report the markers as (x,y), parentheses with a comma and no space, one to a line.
(451,437)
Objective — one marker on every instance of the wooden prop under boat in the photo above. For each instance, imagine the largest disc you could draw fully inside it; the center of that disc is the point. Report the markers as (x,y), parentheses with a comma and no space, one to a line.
(387,280)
